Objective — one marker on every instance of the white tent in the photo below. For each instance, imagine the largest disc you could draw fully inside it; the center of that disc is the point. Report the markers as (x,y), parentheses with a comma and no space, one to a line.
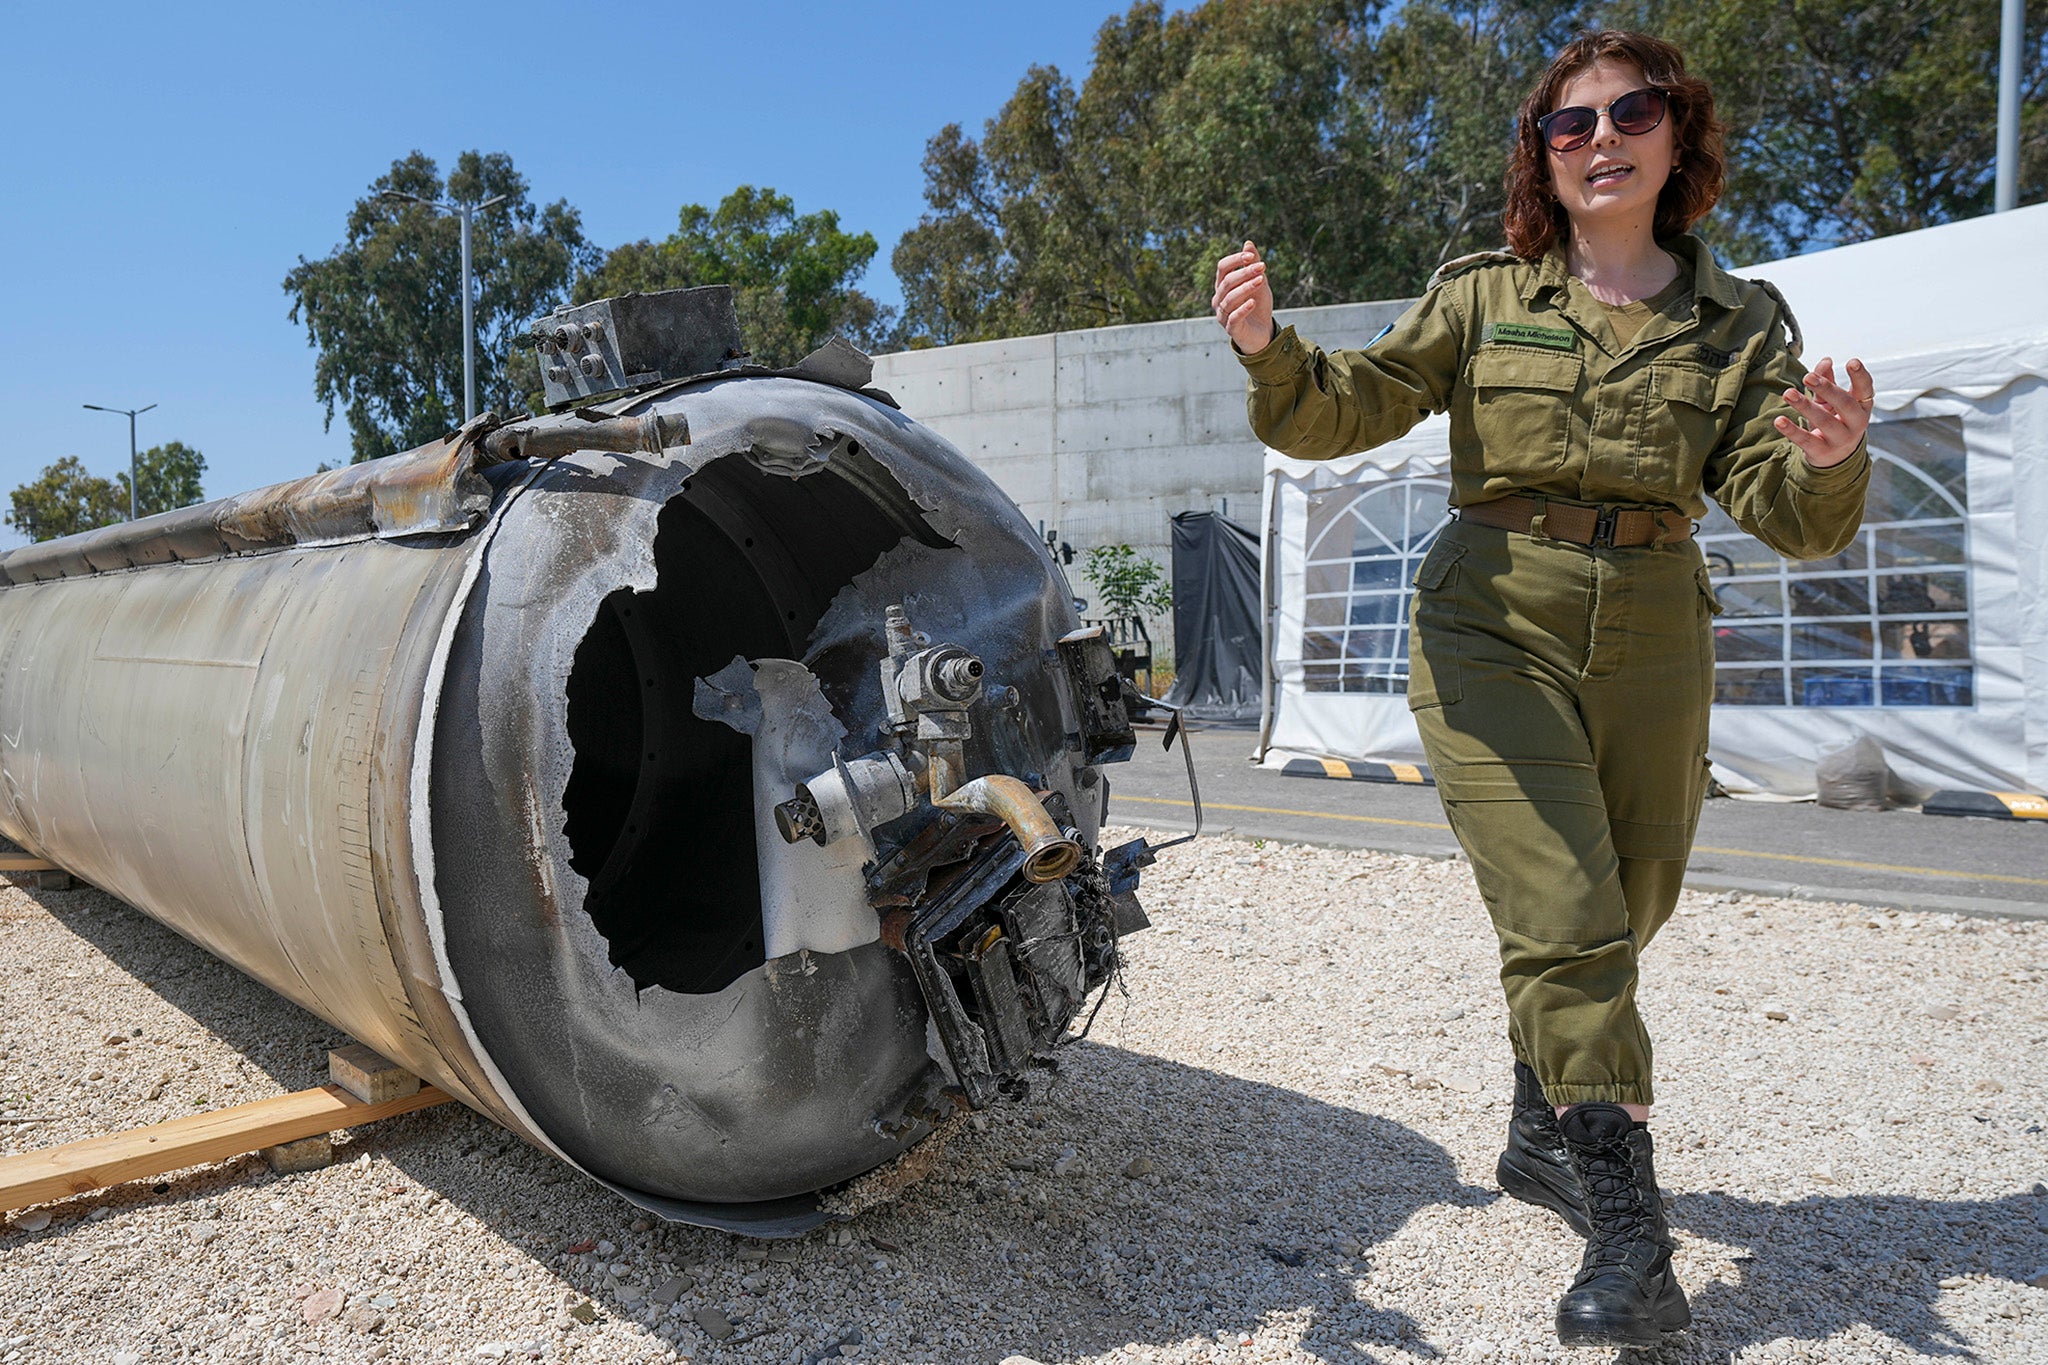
(1929,634)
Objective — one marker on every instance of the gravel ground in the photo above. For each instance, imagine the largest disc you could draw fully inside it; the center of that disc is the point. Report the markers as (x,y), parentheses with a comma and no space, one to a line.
(1279,1146)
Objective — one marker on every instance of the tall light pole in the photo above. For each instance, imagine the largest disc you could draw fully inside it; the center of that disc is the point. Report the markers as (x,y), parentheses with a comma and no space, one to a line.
(2006,193)
(134,473)
(464,212)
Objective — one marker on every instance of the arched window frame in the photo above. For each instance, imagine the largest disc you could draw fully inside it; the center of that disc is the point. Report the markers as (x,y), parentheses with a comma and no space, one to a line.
(1808,667)
(1355,636)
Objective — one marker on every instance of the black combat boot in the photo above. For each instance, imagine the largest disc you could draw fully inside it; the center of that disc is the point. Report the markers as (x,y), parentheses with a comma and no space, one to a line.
(1535,1168)
(1626,1293)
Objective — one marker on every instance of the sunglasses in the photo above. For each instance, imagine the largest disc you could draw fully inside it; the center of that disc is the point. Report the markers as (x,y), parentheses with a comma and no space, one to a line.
(1572,127)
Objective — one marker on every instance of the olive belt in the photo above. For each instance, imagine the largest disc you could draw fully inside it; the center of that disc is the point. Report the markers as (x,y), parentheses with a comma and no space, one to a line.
(1619,527)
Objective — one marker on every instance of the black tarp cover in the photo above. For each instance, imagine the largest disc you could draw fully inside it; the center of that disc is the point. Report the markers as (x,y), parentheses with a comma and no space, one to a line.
(1217,645)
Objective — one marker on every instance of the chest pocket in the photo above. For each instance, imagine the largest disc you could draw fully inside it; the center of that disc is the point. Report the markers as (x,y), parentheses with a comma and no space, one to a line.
(1522,407)
(1688,411)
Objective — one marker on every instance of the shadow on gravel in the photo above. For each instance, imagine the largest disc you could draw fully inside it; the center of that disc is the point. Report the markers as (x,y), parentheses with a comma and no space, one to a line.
(1827,1263)
(1197,1206)
(272,1034)
(1262,1206)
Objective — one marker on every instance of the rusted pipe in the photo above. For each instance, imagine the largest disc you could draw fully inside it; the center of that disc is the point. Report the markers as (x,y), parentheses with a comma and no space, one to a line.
(1048,854)
(945,764)
(550,438)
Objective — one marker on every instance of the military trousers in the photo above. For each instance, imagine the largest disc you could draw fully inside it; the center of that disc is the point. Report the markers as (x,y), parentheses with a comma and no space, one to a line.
(1562,692)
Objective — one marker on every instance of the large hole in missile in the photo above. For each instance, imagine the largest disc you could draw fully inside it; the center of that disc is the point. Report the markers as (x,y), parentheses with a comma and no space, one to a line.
(660,803)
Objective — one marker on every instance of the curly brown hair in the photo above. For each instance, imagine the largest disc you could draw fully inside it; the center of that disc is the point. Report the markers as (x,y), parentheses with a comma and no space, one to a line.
(1535,221)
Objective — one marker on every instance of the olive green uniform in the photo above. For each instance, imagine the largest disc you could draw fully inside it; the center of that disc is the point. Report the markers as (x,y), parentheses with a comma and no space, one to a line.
(1562,690)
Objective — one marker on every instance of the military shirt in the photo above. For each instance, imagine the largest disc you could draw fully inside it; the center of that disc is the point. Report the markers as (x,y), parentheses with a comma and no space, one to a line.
(1546,400)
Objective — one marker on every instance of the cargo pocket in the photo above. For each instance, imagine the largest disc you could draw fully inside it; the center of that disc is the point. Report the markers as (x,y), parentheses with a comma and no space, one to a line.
(1522,406)
(1708,598)
(1433,678)
(1689,409)
(1710,607)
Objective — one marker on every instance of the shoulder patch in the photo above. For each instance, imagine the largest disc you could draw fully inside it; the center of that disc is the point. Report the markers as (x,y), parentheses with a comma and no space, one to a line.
(1792,332)
(1465,263)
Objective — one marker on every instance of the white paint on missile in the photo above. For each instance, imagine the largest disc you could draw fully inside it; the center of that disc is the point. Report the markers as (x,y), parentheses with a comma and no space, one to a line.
(421,826)
(811,897)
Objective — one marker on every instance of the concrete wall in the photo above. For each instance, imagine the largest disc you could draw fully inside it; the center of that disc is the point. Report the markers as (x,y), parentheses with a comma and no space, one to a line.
(1105,434)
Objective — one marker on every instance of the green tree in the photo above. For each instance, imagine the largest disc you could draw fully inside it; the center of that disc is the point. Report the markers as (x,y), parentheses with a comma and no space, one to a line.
(792,275)
(383,310)
(1359,149)
(169,476)
(65,500)
(68,498)
(1363,142)
(1127,583)
(1446,80)
(1852,119)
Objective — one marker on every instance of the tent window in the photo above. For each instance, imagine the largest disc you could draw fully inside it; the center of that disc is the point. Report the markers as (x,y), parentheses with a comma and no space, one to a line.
(1884,623)
(1364,546)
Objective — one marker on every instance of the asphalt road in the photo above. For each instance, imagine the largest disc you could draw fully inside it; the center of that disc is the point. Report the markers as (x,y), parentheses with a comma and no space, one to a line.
(1895,858)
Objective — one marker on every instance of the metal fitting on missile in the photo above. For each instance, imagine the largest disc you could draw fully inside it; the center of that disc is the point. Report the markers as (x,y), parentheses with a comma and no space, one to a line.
(850,797)
(928,692)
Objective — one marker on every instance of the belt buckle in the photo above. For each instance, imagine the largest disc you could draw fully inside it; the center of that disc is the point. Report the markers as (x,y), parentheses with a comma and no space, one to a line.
(1603,526)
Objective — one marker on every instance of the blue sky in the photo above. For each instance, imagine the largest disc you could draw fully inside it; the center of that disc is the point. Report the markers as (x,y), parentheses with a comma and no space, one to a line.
(168,164)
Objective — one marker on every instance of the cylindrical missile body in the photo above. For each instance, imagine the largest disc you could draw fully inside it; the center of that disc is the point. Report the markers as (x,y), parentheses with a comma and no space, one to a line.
(494,792)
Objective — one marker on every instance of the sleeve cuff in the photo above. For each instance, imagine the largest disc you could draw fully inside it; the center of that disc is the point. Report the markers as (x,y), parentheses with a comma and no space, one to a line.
(1278,361)
(1835,478)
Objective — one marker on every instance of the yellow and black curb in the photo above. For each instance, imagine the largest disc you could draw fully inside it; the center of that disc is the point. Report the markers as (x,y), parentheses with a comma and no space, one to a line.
(1989,805)
(1412,774)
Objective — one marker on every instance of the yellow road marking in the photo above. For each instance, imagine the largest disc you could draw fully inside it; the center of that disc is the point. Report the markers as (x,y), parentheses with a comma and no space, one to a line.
(1873,867)
(1697,848)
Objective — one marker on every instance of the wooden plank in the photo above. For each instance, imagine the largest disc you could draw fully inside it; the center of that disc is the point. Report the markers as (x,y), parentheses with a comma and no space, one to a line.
(95,1163)
(26,862)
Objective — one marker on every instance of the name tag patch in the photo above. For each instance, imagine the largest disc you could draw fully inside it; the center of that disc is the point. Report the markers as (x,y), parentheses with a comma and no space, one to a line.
(1713,357)
(1528,334)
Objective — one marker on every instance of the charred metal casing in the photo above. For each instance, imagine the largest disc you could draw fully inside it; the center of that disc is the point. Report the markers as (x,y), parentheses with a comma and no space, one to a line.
(1102,728)
(478,761)
(590,350)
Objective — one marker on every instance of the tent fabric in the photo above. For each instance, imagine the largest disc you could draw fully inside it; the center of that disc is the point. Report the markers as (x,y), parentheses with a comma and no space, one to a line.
(1930,634)
(1218,669)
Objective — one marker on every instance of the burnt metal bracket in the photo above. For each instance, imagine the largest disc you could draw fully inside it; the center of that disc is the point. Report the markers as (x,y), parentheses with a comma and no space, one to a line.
(1103,716)
(591,350)
(967,1047)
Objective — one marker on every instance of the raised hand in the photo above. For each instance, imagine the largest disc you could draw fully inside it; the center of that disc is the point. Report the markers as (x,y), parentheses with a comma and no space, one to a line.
(1835,417)
(1244,299)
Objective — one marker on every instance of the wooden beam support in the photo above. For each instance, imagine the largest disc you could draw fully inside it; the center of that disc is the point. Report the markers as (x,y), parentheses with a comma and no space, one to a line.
(368,1075)
(96,1163)
(26,862)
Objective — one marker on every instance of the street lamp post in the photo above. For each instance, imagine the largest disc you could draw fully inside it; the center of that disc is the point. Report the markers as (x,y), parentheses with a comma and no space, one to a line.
(134,473)
(464,213)
(2006,185)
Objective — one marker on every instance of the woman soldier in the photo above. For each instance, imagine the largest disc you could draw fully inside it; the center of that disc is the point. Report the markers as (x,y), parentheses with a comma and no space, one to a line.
(1601,376)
